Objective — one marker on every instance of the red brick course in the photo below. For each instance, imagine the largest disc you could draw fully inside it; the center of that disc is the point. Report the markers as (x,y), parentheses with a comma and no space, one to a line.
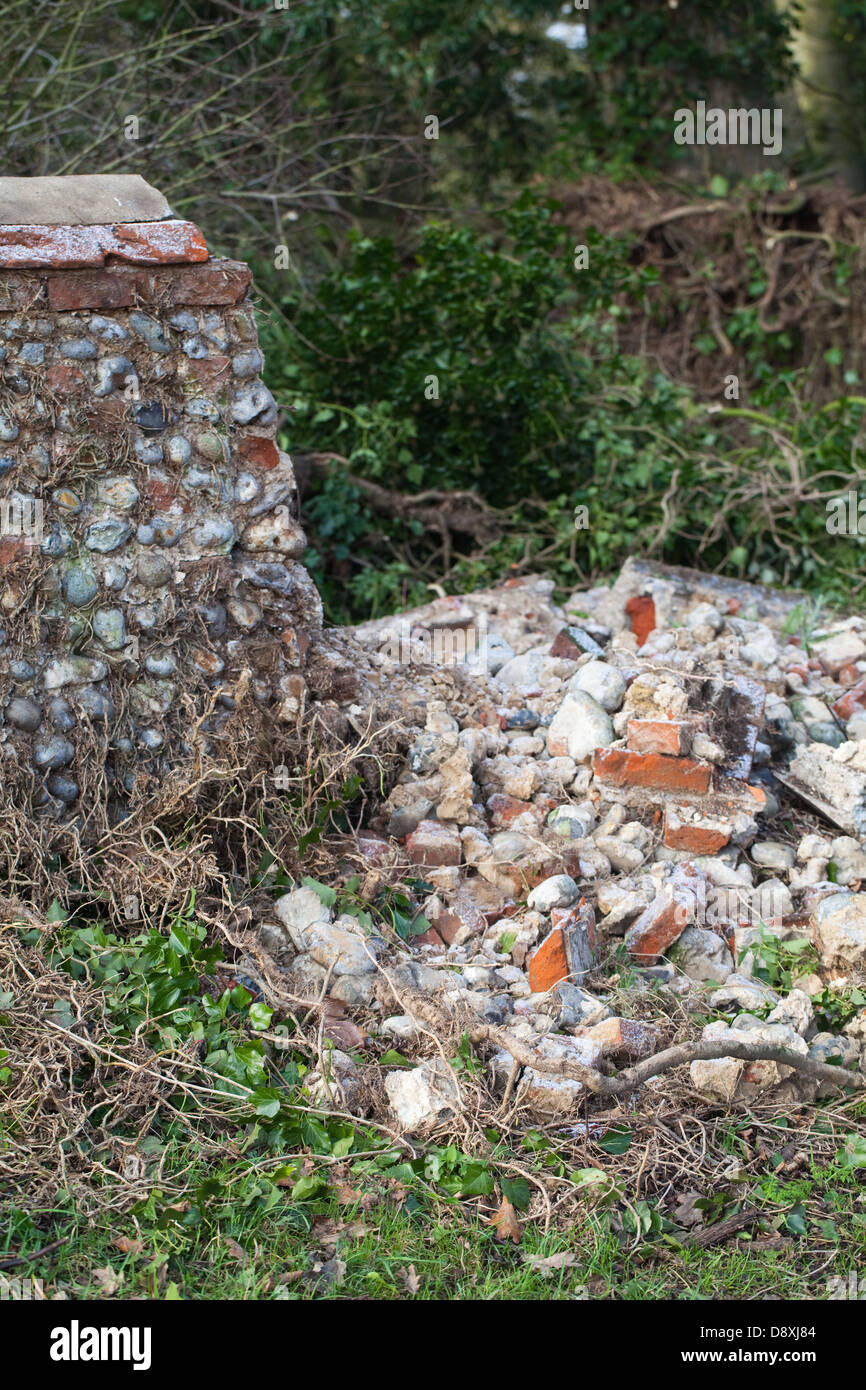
(215,283)
(654,770)
(76,248)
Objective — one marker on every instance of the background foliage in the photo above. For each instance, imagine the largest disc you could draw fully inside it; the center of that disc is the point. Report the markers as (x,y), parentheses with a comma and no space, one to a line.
(414,258)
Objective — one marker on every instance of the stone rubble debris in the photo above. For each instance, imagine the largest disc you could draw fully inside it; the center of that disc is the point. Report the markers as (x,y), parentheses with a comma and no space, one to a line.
(604,809)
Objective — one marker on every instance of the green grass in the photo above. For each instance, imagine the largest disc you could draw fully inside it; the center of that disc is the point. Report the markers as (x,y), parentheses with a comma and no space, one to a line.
(225,1231)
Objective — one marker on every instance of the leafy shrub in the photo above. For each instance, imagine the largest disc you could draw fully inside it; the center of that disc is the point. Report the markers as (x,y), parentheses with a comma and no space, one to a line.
(488,364)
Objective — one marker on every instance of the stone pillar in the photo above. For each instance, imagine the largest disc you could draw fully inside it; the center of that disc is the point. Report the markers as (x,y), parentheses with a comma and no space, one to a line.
(149,541)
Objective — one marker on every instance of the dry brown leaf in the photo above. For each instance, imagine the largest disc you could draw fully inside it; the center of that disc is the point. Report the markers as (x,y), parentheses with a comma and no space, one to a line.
(333,1271)
(409,1279)
(686,1213)
(127,1246)
(326,1232)
(397,1191)
(236,1251)
(107,1279)
(507,1225)
(340,1028)
(329,1232)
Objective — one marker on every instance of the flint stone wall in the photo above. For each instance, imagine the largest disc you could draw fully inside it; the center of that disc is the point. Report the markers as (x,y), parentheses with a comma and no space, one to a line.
(149,541)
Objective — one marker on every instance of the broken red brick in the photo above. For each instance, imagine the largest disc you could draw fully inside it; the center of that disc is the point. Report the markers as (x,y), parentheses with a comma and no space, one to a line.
(14,550)
(548,966)
(258,450)
(704,836)
(623,1039)
(160,491)
(64,380)
(428,938)
(567,644)
(505,809)
(375,850)
(488,717)
(655,770)
(853,700)
(642,611)
(108,415)
(207,371)
(434,844)
(670,736)
(659,925)
(75,248)
(798,670)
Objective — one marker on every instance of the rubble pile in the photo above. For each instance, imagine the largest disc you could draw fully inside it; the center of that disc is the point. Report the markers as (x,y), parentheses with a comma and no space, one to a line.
(660,768)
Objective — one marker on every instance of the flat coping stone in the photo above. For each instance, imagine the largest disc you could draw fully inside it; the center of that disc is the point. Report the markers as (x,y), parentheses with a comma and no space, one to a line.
(79,200)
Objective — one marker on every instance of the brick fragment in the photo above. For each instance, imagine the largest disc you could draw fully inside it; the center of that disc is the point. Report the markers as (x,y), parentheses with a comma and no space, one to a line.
(64,380)
(505,809)
(642,611)
(14,550)
(258,450)
(434,844)
(659,925)
(461,919)
(654,770)
(851,702)
(428,938)
(208,371)
(623,1039)
(375,849)
(570,643)
(669,736)
(549,964)
(703,836)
